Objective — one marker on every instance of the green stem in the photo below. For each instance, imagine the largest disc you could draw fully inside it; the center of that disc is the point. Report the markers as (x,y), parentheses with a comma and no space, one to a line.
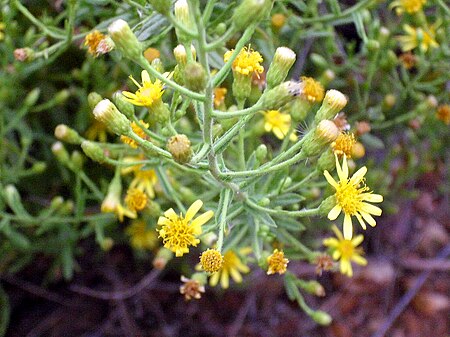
(149,145)
(295,214)
(224,203)
(170,192)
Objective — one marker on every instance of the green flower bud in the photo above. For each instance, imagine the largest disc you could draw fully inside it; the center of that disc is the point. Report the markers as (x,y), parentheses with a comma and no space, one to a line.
(94,99)
(125,40)
(32,97)
(161,6)
(264,202)
(106,112)
(318,60)
(242,86)
(158,65)
(93,151)
(61,153)
(220,28)
(159,112)
(68,135)
(384,34)
(183,15)
(38,167)
(373,45)
(327,205)
(279,96)
(282,62)
(326,77)
(313,287)
(251,11)
(24,54)
(316,140)
(194,76)
(124,106)
(77,160)
(61,96)
(153,209)
(180,148)
(261,153)
(161,259)
(332,104)
(326,161)
(321,317)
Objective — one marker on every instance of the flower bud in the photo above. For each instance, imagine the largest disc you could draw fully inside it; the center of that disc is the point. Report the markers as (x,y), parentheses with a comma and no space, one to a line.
(383,35)
(327,76)
(161,6)
(327,205)
(321,317)
(60,153)
(180,148)
(94,99)
(316,140)
(358,150)
(251,11)
(32,97)
(180,54)
(388,102)
(24,54)
(278,20)
(333,102)
(183,15)
(125,40)
(194,76)
(298,109)
(261,153)
(38,167)
(106,112)
(161,259)
(282,94)
(313,287)
(373,46)
(93,151)
(326,161)
(318,60)
(282,62)
(77,160)
(124,106)
(68,135)
(105,46)
(211,260)
(158,65)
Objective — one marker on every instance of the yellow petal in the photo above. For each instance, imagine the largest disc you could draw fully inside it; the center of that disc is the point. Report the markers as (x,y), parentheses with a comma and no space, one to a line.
(214,279)
(145,77)
(371,209)
(356,241)
(348,227)
(358,175)
(371,197)
(370,220)
(359,260)
(237,277)
(330,179)
(170,213)
(202,219)
(334,213)
(192,211)
(361,221)
(224,279)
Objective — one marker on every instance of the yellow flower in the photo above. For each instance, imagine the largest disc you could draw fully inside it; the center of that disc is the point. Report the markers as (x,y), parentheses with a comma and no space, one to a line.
(279,124)
(277,263)
(351,198)
(313,91)
(140,236)
(411,40)
(443,113)
(151,53)
(111,204)
(144,180)
(211,260)
(92,40)
(2,28)
(247,62)
(408,6)
(346,251)
(148,94)
(232,265)
(178,232)
(278,20)
(344,144)
(219,96)
(136,200)
(137,130)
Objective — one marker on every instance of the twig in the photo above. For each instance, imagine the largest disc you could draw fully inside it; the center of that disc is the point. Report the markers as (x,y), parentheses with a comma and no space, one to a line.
(118,295)
(407,298)
(426,264)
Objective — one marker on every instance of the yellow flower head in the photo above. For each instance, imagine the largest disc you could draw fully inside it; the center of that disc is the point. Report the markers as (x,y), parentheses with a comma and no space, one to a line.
(147,94)
(408,6)
(277,263)
(219,96)
(92,40)
(111,204)
(443,113)
(344,144)
(278,20)
(211,260)
(137,130)
(417,37)
(247,62)
(232,265)
(151,53)
(279,124)
(97,131)
(140,236)
(178,232)
(346,251)
(136,200)
(351,198)
(313,91)
(143,180)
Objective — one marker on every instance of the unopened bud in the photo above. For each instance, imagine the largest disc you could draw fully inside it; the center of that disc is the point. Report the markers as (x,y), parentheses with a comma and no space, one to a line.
(24,54)
(327,205)
(282,94)
(318,60)
(194,76)
(125,40)
(333,103)
(358,150)
(251,11)
(77,160)
(278,20)
(180,148)
(282,62)
(373,45)
(261,153)
(124,106)
(326,161)
(38,167)
(106,112)
(313,287)
(93,151)
(321,317)
(161,259)
(105,46)
(316,140)
(68,135)
(183,15)
(180,54)
(32,97)
(94,99)
(60,152)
